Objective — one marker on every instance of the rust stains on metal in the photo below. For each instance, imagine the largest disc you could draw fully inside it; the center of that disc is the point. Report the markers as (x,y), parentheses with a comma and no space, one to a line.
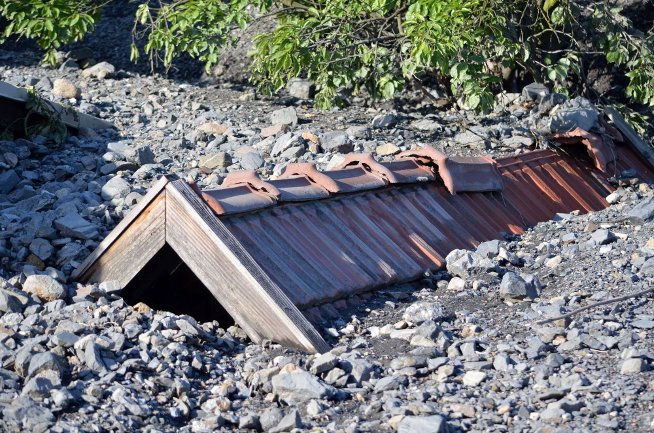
(310,242)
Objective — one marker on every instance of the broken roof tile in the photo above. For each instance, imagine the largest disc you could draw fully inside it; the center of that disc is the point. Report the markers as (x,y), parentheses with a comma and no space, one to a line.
(600,150)
(250,177)
(460,173)
(402,171)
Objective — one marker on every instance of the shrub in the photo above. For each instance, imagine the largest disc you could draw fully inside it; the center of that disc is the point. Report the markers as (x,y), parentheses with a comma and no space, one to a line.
(377,45)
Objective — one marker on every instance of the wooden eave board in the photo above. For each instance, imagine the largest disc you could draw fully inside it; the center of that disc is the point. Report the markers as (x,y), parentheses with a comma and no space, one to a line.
(71,118)
(109,246)
(224,266)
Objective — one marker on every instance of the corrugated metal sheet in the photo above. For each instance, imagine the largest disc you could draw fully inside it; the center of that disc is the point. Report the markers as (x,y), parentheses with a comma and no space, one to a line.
(369,228)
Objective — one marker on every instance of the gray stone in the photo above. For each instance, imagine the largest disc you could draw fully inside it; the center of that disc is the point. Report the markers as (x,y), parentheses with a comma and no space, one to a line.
(513,286)
(576,113)
(422,424)
(422,311)
(8,180)
(602,237)
(116,187)
(384,121)
(358,131)
(389,383)
(252,161)
(336,141)
(24,412)
(270,418)
(535,92)
(290,421)
(216,160)
(72,224)
(323,363)
(489,249)
(46,361)
(249,422)
(642,212)
(38,387)
(301,88)
(93,359)
(45,287)
(474,378)
(284,116)
(9,302)
(100,70)
(41,248)
(284,143)
(467,264)
(295,386)
(632,366)
(502,362)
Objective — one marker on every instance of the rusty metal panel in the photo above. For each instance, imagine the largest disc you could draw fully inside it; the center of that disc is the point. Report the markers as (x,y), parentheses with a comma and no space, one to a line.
(324,236)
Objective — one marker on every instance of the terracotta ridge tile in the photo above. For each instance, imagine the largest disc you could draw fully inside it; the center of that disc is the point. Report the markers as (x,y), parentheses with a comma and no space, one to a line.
(599,148)
(251,178)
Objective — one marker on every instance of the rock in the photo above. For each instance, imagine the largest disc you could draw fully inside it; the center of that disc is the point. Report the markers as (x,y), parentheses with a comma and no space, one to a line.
(8,180)
(456,284)
(336,141)
(642,212)
(66,89)
(277,129)
(284,116)
(468,138)
(423,311)
(74,225)
(602,237)
(473,378)
(92,358)
(389,383)
(284,143)
(514,286)
(422,424)
(116,187)
(387,149)
(249,422)
(9,302)
(358,131)
(489,249)
(252,161)
(517,142)
(46,361)
(467,264)
(216,160)
(384,121)
(323,363)
(301,88)
(535,92)
(100,71)
(576,113)
(41,248)
(45,287)
(502,362)
(271,418)
(290,421)
(213,128)
(295,386)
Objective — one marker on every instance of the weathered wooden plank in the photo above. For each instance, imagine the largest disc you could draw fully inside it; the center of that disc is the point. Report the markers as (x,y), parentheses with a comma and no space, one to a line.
(84,267)
(632,136)
(231,274)
(133,248)
(70,117)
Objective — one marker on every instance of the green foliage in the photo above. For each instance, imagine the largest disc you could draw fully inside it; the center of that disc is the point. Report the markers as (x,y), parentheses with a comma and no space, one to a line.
(376,45)
(196,27)
(52,23)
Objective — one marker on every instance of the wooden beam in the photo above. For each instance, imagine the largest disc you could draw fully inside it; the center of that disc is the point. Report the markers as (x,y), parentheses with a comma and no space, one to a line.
(70,117)
(644,149)
(131,244)
(224,266)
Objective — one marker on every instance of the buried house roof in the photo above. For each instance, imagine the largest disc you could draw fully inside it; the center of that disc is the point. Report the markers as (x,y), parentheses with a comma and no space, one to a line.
(281,255)
(14,103)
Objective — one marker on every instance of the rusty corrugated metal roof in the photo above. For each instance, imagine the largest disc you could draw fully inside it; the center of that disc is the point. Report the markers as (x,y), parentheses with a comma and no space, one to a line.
(322,236)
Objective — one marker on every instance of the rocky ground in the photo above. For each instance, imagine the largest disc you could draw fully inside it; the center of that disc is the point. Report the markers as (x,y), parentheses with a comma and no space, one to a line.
(459,351)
